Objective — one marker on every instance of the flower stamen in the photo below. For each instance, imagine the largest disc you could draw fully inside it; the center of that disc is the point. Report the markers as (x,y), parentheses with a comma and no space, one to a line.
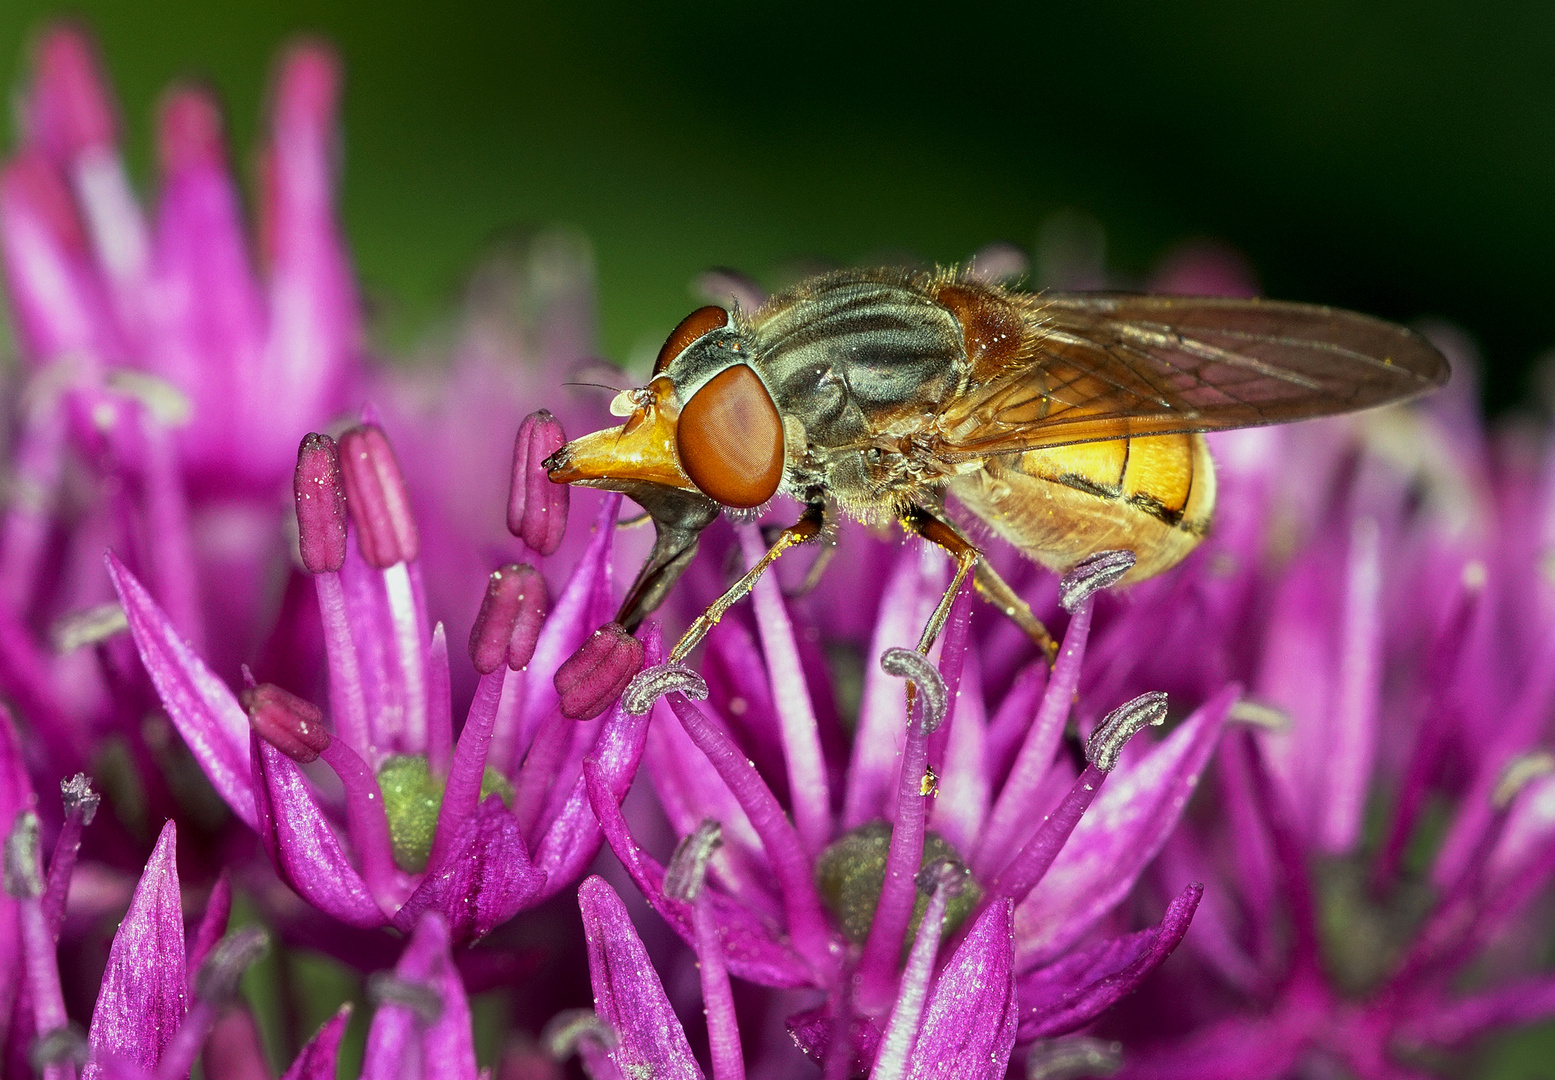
(1518,773)
(1027,868)
(687,870)
(24,882)
(1073,1058)
(568,1030)
(683,880)
(650,684)
(376,498)
(319,493)
(293,726)
(386,988)
(537,508)
(591,679)
(321,523)
(1092,573)
(508,624)
(1121,725)
(930,686)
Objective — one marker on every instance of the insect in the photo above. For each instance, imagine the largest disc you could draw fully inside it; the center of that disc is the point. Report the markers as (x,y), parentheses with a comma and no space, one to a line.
(1068,423)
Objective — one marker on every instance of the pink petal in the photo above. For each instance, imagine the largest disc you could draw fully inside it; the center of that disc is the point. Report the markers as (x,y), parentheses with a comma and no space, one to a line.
(54,290)
(809,792)
(1349,756)
(969,1021)
(1455,1022)
(304,849)
(571,620)
(573,837)
(234,1050)
(485,879)
(70,110)
(371,629)
(572,834)
(204,711)
(400,1042)
(909,599)
(313,351)
(627,993)
(207,323)
(142,999)
(1118,836)
(1069,994)
(962,804)
(317,1059)
(213,924)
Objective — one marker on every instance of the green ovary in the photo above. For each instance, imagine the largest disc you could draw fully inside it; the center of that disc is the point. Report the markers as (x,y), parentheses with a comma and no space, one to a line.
(412,798)
(851,871)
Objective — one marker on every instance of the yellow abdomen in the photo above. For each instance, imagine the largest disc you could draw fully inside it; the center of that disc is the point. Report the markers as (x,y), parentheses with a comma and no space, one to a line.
(1153,495)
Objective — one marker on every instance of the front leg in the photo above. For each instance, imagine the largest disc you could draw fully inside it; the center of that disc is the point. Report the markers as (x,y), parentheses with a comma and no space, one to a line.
(807,528)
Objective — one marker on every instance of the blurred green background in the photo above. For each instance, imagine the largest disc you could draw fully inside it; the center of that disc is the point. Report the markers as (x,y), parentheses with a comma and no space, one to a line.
(1394,157)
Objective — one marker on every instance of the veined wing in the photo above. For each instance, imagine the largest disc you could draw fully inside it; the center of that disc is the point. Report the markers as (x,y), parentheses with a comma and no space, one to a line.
(1108,366)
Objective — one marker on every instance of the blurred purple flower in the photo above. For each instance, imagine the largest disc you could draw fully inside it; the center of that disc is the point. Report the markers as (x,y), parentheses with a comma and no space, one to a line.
(162,998)
(169,374)
(1393,615)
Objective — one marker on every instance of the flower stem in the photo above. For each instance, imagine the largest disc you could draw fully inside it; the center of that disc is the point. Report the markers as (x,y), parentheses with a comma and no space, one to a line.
(347,702)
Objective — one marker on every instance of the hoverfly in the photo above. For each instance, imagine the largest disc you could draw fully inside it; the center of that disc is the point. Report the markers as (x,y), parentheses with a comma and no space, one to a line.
(1068,423)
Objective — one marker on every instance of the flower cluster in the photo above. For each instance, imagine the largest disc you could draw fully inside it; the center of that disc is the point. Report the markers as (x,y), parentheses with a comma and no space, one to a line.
(815,850)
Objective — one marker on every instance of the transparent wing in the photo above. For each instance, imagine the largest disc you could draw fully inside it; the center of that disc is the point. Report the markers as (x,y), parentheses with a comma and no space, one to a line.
(1108,366)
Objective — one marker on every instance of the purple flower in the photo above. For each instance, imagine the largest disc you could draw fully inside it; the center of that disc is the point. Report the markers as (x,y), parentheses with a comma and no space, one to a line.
(163,998)
(962,1026)
(829,886)
(476,829)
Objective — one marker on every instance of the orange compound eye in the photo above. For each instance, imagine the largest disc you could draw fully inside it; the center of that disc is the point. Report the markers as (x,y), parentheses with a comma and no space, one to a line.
(730,439)
(693,326)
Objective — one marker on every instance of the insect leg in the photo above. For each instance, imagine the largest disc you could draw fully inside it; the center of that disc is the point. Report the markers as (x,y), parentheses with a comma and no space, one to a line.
(943,534)
(808,527)
(998,593)
(812,578)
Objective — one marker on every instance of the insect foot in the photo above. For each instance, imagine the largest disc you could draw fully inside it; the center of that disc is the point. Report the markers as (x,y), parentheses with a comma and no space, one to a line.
(650,684)
(1093,573)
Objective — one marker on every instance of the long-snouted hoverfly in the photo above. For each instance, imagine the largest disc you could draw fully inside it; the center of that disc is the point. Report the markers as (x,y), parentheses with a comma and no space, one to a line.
(1069,423)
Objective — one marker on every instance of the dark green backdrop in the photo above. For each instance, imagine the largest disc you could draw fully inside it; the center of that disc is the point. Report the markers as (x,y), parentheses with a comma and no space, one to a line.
(1397,157)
